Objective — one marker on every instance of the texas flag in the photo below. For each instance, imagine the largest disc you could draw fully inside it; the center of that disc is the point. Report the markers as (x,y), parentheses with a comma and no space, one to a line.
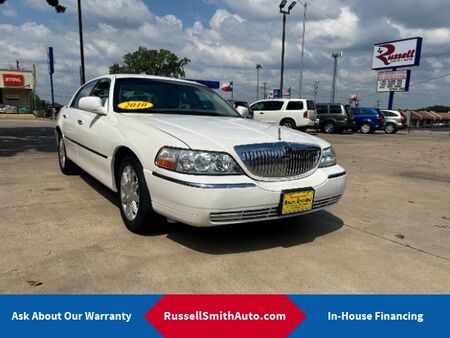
(227,87)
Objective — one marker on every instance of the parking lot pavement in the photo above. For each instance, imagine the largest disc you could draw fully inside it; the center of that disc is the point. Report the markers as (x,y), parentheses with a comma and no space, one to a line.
(389,234)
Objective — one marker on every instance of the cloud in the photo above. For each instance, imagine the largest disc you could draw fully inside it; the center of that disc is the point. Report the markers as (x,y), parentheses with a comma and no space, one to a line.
(237,36)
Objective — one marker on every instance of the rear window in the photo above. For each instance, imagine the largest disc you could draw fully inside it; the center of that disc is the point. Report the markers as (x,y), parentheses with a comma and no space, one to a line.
(335,109)
(311,104)
(295,105)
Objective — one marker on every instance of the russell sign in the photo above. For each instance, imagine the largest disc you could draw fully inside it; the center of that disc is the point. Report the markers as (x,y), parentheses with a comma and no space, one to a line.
(395,54)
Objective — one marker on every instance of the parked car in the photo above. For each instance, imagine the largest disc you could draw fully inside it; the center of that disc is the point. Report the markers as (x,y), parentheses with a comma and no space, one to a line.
(394,121)
(291,113)
(184,153)
(334,117)
(367,119)
(243,108)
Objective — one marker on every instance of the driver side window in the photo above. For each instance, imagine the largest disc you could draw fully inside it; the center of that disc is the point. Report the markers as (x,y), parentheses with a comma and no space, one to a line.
(101,90)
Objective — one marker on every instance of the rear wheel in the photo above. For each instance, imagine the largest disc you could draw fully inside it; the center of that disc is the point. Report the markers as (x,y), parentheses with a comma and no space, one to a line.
(366,128)
(390,128)
(329,127)
(288,123)
(135,203)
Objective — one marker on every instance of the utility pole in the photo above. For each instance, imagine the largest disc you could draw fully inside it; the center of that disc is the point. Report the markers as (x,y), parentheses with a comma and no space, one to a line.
(303,50)
(316,90)
(333,83)
(265,90)
(378,104)
(284,12)
(80,28)
(258,68)
(17,64)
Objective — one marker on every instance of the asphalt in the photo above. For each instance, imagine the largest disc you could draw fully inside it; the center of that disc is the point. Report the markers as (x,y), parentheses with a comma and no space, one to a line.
(389,234)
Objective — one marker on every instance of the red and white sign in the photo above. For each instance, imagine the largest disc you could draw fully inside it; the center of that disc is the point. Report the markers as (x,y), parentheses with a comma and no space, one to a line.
(400,53)
(13,80)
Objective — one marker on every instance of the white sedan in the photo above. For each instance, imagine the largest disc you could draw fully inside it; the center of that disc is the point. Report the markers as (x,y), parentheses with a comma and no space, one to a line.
(176,148)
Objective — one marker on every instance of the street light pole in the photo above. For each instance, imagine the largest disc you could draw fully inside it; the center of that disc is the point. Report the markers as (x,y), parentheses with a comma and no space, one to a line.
(80,28)
(333,83)
(284,12)
(303,50)
(258,68)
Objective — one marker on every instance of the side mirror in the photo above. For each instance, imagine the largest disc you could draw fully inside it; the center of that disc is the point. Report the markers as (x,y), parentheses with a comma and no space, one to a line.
(92,104)
(243,111)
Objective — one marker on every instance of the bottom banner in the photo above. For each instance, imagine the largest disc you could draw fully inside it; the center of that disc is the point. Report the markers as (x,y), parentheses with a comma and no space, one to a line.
(225,316)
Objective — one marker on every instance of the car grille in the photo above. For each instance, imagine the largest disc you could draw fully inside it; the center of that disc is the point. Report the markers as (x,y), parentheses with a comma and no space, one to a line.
(262,214)
(280,159)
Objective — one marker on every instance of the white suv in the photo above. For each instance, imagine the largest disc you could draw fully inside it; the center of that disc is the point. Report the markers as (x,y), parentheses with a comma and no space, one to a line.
(291,113)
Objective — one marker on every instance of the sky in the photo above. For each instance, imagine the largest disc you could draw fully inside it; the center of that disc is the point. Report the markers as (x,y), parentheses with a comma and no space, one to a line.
(225,39)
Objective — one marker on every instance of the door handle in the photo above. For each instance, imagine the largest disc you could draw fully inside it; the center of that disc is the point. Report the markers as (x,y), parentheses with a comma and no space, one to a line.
(80,122)
(65,116)
(261,113)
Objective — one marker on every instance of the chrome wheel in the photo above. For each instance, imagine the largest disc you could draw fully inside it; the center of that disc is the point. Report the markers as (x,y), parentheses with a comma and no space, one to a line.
(365,128)
(288,124)
(328,128)
(62,153)
(389,129)
(129,192)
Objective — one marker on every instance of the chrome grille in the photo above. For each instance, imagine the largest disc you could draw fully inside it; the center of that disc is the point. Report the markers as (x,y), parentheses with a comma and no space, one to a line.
(281,159)
(241,216)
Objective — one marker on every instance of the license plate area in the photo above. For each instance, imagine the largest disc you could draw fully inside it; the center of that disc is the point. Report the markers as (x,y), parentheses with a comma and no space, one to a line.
(296,201)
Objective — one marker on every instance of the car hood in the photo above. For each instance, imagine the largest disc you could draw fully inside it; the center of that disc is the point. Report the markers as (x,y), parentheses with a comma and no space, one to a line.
(220,133)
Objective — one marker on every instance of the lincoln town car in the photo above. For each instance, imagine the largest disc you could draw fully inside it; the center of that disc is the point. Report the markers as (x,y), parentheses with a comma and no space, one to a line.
(176,149)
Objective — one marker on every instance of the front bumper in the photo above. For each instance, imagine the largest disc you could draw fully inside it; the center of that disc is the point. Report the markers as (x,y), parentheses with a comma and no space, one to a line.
(211,201)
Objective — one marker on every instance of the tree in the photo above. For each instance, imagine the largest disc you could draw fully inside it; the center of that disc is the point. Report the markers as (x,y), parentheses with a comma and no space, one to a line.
(54,3)
(152,62)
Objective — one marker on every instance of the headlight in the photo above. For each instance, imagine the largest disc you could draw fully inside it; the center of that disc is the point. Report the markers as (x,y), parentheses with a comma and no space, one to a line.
(328,158)
(197,162)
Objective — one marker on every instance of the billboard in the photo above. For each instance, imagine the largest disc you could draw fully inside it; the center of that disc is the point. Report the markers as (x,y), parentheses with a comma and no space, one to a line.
(395,81)
(16,79)
(399,53)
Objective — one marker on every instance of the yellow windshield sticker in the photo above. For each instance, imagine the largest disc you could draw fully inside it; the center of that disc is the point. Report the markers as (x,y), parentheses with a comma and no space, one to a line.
(135,105)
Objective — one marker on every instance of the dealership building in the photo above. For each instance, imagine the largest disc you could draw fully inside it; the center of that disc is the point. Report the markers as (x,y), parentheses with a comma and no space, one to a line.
(16,88)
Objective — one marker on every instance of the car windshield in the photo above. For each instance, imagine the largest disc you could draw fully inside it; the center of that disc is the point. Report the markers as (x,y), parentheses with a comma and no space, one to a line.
(140,95)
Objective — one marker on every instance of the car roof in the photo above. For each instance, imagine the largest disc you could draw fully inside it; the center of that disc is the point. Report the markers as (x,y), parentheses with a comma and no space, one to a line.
(144,76)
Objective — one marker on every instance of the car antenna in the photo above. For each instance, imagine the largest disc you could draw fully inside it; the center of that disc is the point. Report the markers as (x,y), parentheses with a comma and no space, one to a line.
(279,133)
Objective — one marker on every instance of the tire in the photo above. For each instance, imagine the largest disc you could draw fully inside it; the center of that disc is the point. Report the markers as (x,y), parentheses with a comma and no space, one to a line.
(65,164)
(134,197)
(390,128)
(288,123)
(366,128)
(329,127)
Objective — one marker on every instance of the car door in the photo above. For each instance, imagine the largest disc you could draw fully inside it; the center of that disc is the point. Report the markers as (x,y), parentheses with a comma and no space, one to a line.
(69,121)
(90,130)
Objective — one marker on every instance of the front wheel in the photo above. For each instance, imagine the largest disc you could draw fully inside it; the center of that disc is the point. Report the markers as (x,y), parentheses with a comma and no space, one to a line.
(135,203)
(65,164)
(366,128)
